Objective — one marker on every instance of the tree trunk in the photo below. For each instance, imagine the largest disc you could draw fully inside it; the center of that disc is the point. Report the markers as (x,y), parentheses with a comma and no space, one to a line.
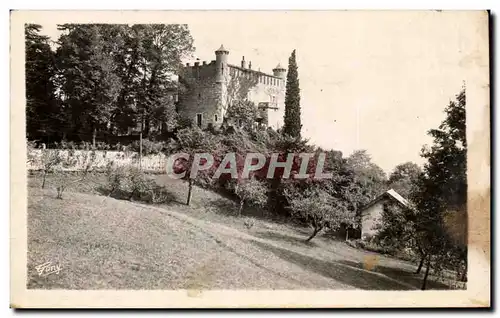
(147,127)
(346,233)
(420,264)
(131,195)
(93,137)
(316,231)
(43,179)
(241,206)
(190,189)
(424,283)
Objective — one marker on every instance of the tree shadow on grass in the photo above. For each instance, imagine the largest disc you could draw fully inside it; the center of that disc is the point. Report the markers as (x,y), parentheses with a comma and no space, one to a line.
(402,275)
(276,236)
(338,271)
(230,207)
(224,206)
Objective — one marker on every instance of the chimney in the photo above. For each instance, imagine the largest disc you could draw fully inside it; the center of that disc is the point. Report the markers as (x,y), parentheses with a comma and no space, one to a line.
(250,65)
(243,63)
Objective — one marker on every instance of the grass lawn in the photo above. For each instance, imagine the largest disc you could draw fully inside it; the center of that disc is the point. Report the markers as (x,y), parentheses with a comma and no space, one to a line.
(105,243)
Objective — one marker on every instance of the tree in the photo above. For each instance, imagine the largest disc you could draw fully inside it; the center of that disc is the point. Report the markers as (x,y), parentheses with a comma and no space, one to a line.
(442,191)
(368,179)
(157,57)
(194,141)
(43,117)
(251,191)
(292,125)
(396,231)
(89,83)
(114,77)
(319,209)
(404,178)
(244,113)
(237,89)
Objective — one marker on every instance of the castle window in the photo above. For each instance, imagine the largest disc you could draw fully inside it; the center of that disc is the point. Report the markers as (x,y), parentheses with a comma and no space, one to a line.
(199,119)
(216,118)
(273,100)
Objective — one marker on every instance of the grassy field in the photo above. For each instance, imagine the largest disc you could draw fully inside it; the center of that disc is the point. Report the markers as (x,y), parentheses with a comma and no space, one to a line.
(105,243)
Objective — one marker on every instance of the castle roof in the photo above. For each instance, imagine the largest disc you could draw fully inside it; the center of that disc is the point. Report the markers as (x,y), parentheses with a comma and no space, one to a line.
(252,71)
(279,67)
(222,49)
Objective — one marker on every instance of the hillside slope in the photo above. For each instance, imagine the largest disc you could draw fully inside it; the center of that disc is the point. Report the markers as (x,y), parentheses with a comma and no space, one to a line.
(104,243)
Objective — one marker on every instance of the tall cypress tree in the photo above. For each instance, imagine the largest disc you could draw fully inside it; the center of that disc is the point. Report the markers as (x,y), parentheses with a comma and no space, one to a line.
(292,125)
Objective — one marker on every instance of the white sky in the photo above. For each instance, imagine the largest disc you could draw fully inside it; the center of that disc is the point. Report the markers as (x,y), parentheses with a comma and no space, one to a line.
(369,80)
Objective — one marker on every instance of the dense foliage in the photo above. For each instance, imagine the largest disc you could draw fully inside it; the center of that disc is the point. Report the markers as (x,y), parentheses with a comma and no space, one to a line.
(103,80)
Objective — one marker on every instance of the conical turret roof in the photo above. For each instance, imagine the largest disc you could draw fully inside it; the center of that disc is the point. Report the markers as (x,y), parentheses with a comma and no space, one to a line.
(279,67)
(222,49)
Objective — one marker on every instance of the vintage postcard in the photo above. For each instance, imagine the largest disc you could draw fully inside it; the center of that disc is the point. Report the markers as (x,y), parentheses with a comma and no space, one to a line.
(250,159)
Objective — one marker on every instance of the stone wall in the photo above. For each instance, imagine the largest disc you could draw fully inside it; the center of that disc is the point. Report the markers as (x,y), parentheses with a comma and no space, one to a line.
(152,163)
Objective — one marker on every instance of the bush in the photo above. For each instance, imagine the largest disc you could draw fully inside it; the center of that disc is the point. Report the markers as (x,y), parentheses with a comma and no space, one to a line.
(149,147)
(128,182)
(371,246)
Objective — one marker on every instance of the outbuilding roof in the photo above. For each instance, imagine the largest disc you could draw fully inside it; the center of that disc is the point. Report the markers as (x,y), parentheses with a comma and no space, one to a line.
(392,195)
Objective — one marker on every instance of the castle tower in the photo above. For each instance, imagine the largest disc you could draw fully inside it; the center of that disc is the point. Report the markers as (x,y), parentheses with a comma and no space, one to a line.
(279,71)
(221,64)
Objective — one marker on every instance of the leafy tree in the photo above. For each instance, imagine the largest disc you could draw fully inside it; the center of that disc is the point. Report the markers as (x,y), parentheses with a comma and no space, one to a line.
(194,141)
(443,191)
(292,125)
(396,231)
(157,56)
(237,91)
(114,77)
(42,105)
(319,209)
(404,178)
(244,113)
(251,191)
(368,179)
(89,83)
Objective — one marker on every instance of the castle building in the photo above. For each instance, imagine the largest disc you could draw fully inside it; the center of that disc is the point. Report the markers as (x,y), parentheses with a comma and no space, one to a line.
(211,88)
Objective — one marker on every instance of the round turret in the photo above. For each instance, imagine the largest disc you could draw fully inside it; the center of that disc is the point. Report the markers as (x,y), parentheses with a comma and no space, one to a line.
(221,63)
(279,71)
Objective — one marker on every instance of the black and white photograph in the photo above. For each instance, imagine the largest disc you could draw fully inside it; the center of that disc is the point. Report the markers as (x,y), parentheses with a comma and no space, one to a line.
(247,152)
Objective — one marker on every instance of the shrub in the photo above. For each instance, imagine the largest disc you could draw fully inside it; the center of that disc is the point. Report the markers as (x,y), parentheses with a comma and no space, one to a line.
(129,182)
(100,145)
(251,191)
(50,160)
(149,147)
